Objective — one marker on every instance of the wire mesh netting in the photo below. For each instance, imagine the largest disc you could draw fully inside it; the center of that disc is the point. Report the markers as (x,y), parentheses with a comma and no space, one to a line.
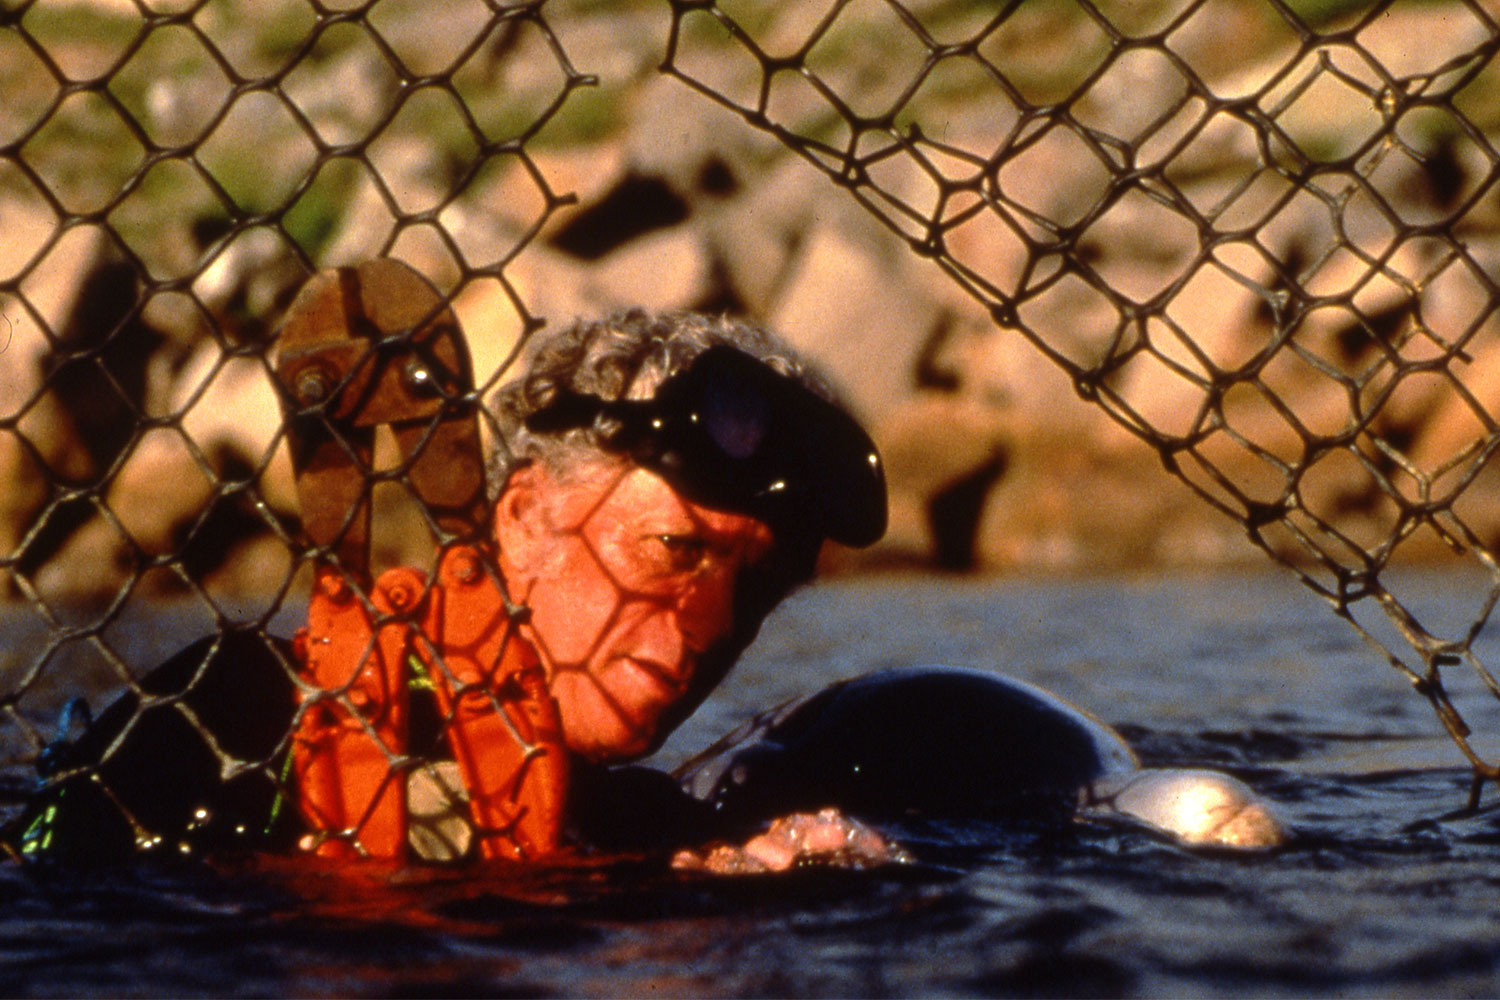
(1269,258)
(171,174)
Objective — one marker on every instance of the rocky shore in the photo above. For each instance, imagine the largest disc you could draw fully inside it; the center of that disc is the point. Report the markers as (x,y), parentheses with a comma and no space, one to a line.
(139,436)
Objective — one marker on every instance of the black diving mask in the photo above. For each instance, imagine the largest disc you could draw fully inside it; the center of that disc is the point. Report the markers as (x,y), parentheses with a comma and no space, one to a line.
(730,432)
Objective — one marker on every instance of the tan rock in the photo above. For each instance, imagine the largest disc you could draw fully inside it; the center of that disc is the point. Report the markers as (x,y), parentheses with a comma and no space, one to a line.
(93,563)
(27,225)
(23,493)
(931,443)
(255,570)
(585,172)
(661,271)
(1455,432)
(491,324)
(47,296)
(229,407)
(1447,32)
(160,489)
(759,232)
(934,438)
(1091,498)
(842,308)
(673,136)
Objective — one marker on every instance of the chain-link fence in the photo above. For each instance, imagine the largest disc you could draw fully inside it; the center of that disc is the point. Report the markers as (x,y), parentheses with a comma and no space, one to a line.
(1259,235)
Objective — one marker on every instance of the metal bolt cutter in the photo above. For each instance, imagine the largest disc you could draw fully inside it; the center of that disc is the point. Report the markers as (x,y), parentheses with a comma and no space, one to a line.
(364,347)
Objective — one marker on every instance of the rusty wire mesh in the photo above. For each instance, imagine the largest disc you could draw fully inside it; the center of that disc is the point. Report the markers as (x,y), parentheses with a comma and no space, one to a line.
(1262,237)
(1269,258)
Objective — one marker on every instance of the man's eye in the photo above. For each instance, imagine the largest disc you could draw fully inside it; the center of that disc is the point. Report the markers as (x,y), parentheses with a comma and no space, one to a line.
(683,552)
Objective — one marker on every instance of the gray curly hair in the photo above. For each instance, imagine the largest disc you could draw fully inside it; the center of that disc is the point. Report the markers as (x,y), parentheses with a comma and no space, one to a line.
(625,356)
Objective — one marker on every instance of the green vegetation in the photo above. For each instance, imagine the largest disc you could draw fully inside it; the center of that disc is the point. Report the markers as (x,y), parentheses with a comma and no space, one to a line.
(156,87)
(1316,13)
(313,219)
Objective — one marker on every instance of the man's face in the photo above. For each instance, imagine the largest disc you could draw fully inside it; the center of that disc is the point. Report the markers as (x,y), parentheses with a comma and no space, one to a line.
(628,585)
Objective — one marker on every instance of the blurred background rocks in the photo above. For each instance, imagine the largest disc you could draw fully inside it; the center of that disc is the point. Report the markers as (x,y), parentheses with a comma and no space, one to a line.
(139,435)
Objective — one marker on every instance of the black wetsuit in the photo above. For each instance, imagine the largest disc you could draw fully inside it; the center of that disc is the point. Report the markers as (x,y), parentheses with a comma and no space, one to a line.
(199,771)
(928,742)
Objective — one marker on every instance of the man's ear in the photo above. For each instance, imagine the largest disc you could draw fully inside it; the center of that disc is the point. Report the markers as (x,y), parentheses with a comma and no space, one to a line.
(521,518)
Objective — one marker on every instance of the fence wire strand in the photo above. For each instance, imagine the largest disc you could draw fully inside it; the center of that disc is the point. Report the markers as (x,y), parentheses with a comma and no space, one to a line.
(1270,259)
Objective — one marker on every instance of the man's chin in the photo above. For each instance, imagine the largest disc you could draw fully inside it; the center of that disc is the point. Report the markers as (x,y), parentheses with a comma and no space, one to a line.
(604,734)
(614,748)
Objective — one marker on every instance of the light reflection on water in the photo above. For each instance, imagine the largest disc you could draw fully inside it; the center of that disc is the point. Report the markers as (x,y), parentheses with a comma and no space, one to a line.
(1377,896)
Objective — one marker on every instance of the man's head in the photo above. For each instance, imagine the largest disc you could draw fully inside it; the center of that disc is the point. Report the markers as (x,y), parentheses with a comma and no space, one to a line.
(662,483)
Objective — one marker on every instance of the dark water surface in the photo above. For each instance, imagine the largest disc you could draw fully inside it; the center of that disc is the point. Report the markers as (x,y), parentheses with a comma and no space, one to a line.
(1381,892)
